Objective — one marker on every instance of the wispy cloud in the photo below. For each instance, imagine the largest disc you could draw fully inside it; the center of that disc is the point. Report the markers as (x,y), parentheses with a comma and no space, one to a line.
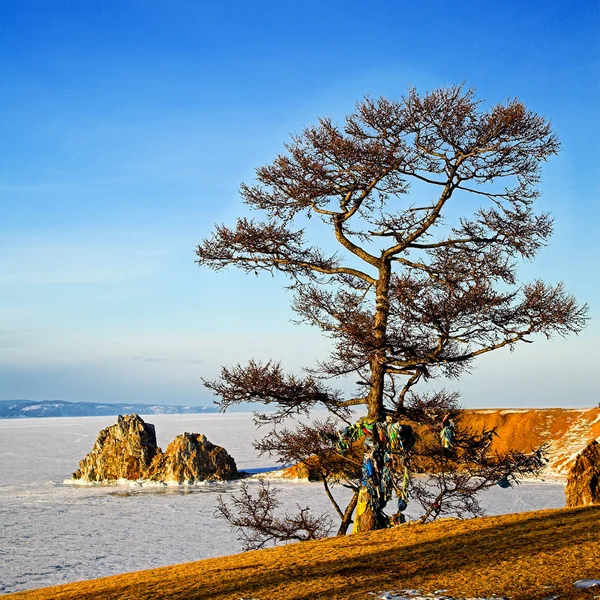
(79,259)
(12,339)
(149,358)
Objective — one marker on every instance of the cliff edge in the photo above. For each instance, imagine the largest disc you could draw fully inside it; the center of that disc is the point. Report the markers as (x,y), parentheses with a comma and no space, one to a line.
(566,431)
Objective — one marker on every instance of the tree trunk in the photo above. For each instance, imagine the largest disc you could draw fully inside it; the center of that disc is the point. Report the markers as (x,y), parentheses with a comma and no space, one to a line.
(369,508)
(365,519)
(378,359)
(347,519)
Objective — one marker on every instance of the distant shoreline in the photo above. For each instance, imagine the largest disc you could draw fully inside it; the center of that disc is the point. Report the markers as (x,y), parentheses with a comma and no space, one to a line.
(28,409)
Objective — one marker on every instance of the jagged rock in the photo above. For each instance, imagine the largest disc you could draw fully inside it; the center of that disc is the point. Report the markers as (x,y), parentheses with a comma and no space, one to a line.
(191,457)
(128,450)
(583,481)
(122,451)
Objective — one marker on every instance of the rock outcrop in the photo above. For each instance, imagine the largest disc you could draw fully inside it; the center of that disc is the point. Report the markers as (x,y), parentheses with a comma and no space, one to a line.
(128,451)
(191,457)
(122,451)
(583,481)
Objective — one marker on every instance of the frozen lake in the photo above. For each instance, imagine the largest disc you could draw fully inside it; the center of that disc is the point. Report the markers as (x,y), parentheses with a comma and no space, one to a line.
(54,533)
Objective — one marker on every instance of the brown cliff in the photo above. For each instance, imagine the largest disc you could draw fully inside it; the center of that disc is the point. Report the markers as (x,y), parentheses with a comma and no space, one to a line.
(121,451)
(128,451)
(566,431)
(191,457)
(583,482)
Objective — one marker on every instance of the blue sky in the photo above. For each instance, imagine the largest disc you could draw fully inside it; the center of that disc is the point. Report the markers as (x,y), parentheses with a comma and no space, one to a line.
(127,127)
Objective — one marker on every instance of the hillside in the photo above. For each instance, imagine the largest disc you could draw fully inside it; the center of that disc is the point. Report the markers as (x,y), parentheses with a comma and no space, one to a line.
(522,556)
(17,409)
(567,431)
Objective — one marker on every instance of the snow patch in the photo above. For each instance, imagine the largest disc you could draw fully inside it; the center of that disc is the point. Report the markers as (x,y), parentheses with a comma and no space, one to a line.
(587,583)
(419,595)
(565,449)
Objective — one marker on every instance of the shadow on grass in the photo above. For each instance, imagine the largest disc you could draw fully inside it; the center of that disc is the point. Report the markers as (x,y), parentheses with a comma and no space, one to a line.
(485,543)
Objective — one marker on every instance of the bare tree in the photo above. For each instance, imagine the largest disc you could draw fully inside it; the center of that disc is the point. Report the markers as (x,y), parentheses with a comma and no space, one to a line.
(316,448)
(459,471)
(258,525)
(430,201)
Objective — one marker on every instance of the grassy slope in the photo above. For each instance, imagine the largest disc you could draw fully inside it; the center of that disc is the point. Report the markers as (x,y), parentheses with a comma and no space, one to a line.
(510,555)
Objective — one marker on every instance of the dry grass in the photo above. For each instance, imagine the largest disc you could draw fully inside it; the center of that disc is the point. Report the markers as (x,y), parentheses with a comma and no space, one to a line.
(511,555)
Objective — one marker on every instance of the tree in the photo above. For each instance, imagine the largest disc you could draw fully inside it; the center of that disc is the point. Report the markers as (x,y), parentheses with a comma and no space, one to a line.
(430,201)
(255,519)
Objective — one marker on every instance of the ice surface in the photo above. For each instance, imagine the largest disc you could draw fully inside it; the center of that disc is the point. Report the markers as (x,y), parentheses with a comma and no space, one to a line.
(55,533)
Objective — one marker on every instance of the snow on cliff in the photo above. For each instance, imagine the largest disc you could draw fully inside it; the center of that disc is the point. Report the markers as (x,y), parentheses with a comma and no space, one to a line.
(566,431)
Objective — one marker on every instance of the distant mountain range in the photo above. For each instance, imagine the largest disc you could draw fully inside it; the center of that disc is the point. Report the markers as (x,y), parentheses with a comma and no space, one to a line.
(17,409)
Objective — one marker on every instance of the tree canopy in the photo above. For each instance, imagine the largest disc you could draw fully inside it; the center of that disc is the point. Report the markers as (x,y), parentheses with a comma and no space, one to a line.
(431,202)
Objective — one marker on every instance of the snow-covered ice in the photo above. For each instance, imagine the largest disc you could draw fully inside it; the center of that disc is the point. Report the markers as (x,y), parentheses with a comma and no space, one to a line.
(55,533)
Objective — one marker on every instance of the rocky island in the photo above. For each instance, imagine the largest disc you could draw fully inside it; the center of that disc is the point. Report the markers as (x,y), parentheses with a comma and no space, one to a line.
(128,451)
